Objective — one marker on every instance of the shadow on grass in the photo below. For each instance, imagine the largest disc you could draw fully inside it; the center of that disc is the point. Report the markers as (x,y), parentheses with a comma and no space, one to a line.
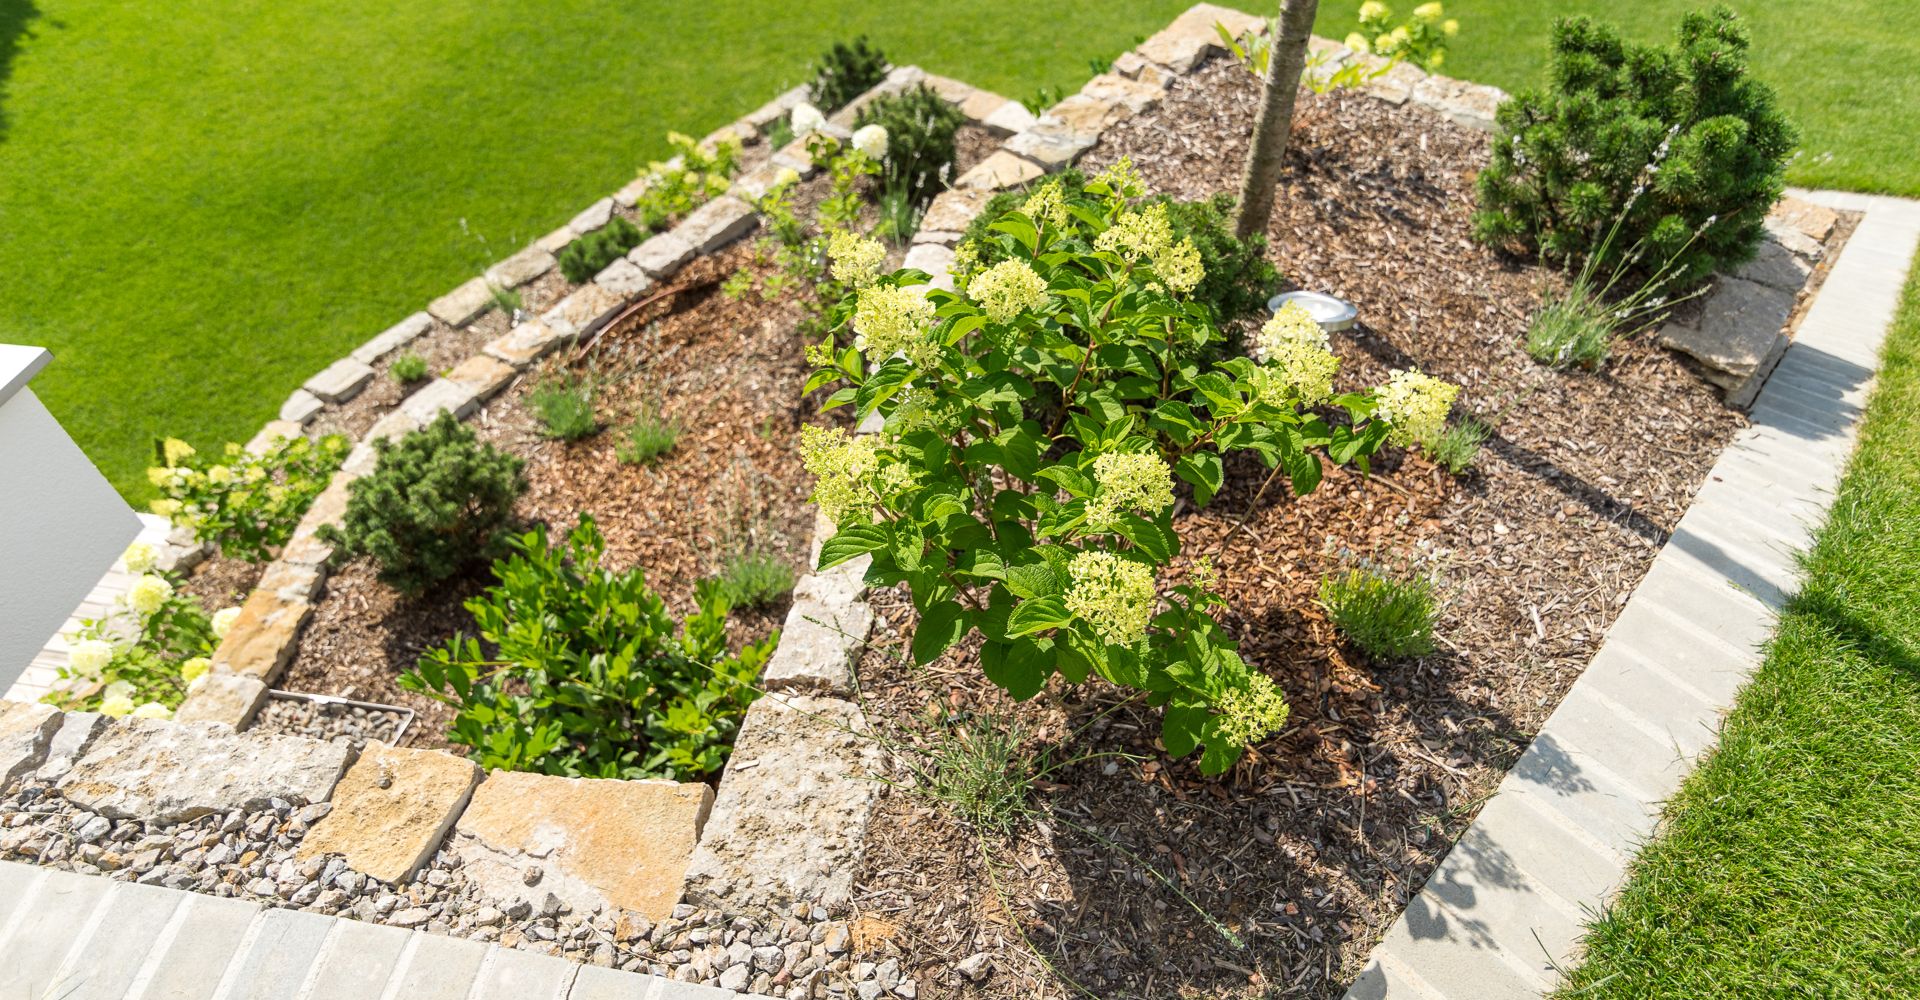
(16,17)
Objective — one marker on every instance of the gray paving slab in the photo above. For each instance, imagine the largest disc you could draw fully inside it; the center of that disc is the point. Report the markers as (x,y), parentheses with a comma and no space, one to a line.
(18,883)
(1647,759)
(188,966)
(36,959)
(436,967)
(105,965)
(1725,555)
(282,946)
(673,990)
(1676,714)
(596,983)
(1427,942)
(511,974)
(1570,781)
(1385,978)
(1556,854)
(358,960)
(1480,899)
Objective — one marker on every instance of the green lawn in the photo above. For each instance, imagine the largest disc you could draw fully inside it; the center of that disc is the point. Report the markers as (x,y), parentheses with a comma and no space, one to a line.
(1791,864)
(201,205)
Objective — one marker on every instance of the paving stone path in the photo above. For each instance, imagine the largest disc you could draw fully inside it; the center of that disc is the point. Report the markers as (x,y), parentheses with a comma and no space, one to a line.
(76,937)
(1508,904)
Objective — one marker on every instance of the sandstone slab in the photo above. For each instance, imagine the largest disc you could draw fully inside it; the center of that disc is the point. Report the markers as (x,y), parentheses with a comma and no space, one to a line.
(464,304)
(629,194)
(950,90)
(75,735)
(293,581)
(456,398)
(592,217)
(594,842)
(1469,104)
(301,406)
(717,223)
(340,381)
(790,821)
(1000,170)
(271,434)
(26,731)
(1009,118)
(660,256)
(933,258)
(623,278)
(168,772)
(526,343)
(817,647)
(586,310)
(1396,85)
(1739,337)
(1776,266)
(1131,94)
(393,338)
(392,808)
(229,699)
(261,641)
(1813,221)
(1182,45)
(770,112)
(954,210)
(556,241)
(1135,66)
(522,267)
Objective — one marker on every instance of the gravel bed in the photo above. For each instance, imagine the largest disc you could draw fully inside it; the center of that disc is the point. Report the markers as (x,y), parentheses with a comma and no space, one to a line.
(333,722)
(250,855)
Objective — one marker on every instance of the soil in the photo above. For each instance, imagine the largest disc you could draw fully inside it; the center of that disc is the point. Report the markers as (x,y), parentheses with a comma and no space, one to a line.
(1135,876)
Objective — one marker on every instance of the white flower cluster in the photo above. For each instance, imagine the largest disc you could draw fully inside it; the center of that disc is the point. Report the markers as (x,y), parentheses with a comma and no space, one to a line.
(856,259)
(1112,594)
(807,120)
(890,320)
(1416,404)
(1128,481)
(871,140)
(1008,289)
(148,594)
(1148,235)
(1296,358)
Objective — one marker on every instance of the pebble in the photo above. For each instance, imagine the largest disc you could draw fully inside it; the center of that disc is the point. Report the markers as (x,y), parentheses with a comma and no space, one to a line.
(335,723)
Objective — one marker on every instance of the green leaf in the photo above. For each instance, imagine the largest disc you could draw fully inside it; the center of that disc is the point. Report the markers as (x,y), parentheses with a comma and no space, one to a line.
(1033,580)
(1180,728)
(1020,668)
(1204,470)
(1219,757)
(940,627)
(1068,478)
(851,542)
(1156,541)
(1037,615)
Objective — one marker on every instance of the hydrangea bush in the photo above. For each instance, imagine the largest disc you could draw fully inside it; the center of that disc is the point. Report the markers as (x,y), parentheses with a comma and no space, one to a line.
(1035,422)
(246,504)
(1421,40)
(687,180)
(144,656)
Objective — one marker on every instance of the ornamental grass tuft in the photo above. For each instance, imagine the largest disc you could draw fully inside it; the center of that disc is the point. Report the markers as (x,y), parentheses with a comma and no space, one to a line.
(1389,616)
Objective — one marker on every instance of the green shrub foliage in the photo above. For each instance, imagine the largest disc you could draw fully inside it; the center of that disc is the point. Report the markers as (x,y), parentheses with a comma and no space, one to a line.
(1678,144)
(586,256)
(434,504)
(844,72)
(1388,616)
(920,150)
(579,671)
(1239,278)
(247,503)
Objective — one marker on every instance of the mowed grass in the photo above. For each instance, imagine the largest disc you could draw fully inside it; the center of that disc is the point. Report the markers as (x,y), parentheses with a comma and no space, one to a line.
(201,205)
(1790,866)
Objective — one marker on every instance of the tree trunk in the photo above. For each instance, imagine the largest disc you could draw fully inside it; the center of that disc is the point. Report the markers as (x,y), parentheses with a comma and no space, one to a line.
(1268,151)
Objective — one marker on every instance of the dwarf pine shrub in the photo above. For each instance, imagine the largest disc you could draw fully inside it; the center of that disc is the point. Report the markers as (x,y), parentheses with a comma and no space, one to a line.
(588,255)
(920,127)
(1679,144)
(844,72)
(408,368)
(434,504)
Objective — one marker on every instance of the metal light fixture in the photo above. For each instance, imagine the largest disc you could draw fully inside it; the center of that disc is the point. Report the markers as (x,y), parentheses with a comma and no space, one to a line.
(1331,313)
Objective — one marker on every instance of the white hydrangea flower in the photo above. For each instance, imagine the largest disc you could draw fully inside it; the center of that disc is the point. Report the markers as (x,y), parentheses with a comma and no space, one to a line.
(88,657)
(871,140)
(139,558)
(118,689)
(223,620)
(1416,404)
(787,177)
(193,669)
(116,707)
(807,120)
(1296,356)
(153,710)
(149,593)
(1113,595)
(1008,289)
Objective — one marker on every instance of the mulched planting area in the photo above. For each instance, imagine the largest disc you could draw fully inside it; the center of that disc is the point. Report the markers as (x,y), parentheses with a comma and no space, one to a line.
(1141,878)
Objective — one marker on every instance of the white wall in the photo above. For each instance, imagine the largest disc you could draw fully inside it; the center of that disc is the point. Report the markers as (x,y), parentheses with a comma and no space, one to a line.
(61,527)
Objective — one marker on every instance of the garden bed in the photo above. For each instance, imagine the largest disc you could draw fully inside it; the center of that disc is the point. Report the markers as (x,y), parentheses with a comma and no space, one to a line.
(1142,879)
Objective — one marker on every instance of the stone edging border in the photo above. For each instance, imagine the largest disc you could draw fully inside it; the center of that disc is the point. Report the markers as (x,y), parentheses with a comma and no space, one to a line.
(1506,907)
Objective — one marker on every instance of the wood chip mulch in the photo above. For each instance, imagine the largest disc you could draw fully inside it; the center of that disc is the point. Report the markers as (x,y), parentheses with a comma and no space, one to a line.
(1140,877)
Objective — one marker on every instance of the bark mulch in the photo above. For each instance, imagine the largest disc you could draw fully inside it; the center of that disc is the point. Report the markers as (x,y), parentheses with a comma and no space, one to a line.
(1138,877)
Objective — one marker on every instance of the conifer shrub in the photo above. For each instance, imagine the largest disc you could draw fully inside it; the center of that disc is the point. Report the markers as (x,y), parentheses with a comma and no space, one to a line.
(920,126)
(844,72)
(1678,144)
(434,504)
(586,256)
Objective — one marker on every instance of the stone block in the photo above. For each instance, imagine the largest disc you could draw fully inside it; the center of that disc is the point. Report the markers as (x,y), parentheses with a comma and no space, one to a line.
(228,699)
(1125,92)
(581,313)
(441,968)
(950,90)
(1395,86)
(932,258)
(944,237)
(750,186)
(1815,222)
(26,731)
(283,946)
(592,217)
(392,427)
(623,278)
(301,406)
(817,647)
(262,640)
(515,974)
(168,772)
(463,305)
(1000,170)
(1469,104)
(1184,44)
(954,210)
(1775,265)
(1740,330)
(717,223)
(272,434)
(772,111)
(75,735)
(522,267)
(791,817)
(219,929)
(360,956)
(440,394)
(63,900)
(526,343)
(556,241)
(393,338)
(340,381)
(997,114)
(484,374)
(629,194)
(662,255)
(392,808)
(595,842)
(1054,142)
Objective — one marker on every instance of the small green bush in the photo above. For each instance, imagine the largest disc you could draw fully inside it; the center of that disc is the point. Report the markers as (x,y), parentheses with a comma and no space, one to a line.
(586,256)
(1388,616)
(578,670)
(434,504)
(692,176)
(247,504)
(844,72)
(648,438)
(751,579)
(408,368)
(920,128)
(563,403)
(1239,279)
(1459,445)
(1679,144)
(1572,328)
